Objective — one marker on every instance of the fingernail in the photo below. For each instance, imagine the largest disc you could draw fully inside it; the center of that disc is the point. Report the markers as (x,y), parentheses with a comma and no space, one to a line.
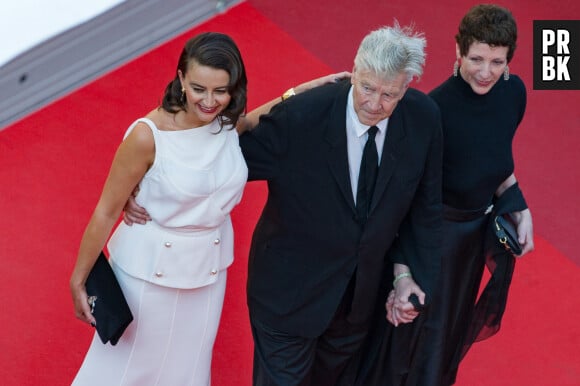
(93,324)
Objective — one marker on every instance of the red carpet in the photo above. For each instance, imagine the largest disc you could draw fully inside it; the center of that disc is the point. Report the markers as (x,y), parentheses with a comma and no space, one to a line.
(53,163)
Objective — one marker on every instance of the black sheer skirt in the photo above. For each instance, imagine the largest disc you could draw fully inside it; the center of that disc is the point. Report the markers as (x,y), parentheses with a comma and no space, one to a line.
(428,351)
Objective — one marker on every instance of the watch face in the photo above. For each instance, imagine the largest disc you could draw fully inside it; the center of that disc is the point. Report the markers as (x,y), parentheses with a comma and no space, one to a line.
(288,94)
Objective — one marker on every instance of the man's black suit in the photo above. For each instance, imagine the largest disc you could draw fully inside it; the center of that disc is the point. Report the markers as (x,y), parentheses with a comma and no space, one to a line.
(308,243)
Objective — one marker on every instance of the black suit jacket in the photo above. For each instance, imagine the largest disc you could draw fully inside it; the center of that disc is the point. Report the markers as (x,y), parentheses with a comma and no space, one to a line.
(307,243)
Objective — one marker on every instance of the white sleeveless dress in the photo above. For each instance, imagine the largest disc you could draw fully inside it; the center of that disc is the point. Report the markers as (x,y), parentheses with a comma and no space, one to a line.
(173,270)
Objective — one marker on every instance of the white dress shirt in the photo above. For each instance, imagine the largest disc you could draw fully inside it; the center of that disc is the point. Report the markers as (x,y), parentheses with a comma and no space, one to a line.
(356,138)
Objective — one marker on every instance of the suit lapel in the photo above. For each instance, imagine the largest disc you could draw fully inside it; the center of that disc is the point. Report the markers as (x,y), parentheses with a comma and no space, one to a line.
(394,142)
(337,151)
(338,154)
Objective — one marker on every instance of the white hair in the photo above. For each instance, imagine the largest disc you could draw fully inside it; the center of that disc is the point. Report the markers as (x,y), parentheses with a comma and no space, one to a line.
(389,51)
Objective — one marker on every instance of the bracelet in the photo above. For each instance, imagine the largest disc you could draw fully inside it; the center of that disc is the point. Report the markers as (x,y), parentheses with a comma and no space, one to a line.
(289,93)
(400,276)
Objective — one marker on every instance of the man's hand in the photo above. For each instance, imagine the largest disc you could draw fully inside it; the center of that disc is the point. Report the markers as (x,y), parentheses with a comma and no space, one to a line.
(135,214)
(399,308)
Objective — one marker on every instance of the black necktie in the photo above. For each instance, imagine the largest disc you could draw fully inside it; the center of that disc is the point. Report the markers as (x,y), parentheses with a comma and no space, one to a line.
(367,177)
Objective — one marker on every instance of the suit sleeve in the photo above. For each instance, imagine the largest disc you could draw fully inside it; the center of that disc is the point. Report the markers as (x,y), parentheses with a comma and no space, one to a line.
(418,244)
(264,146)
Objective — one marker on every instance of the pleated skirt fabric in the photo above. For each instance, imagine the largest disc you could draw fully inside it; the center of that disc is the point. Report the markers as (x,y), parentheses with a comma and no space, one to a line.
(427,351)
(464,263)
(169,343)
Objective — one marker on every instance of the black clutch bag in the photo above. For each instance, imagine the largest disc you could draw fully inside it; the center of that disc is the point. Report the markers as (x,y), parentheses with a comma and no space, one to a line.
(507,235)
(108,304)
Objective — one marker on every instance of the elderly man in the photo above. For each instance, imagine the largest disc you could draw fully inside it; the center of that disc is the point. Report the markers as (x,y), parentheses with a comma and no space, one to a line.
(353,170)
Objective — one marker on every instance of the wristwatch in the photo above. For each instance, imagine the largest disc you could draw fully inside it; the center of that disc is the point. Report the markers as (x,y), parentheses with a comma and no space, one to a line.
(288,93)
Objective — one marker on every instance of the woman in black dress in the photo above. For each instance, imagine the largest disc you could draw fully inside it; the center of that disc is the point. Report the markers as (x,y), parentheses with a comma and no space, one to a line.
(481,105)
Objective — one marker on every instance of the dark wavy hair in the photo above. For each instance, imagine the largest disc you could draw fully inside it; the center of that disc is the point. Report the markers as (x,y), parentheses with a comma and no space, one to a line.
(488,23)
(218,51)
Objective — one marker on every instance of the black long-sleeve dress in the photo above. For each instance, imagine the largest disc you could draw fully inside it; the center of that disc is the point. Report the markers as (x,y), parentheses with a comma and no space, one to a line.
(478,134)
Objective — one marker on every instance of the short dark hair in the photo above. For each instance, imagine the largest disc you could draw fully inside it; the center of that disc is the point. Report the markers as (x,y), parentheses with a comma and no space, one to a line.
(488,23)
(215,50)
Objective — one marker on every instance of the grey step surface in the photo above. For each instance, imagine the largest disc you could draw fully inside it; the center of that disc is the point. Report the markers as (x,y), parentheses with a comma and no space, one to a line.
(79,55)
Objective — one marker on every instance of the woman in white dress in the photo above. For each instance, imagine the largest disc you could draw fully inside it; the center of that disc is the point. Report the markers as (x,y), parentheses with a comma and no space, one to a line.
(185,160)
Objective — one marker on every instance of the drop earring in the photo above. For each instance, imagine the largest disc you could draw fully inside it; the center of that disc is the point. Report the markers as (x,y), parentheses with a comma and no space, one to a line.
(456,68)
(506,72)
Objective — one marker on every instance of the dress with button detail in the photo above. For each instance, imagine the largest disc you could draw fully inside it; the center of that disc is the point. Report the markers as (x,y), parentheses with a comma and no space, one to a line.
(173,269)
